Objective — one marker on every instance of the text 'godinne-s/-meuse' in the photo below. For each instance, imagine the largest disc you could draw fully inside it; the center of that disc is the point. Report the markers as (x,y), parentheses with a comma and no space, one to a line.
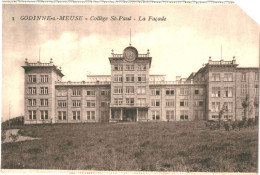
(92,18)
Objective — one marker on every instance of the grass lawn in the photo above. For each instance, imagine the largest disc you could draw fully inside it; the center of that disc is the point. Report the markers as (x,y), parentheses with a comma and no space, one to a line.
(160,146)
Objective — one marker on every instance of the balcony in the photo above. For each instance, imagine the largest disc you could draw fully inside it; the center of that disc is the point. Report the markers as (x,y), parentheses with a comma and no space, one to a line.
(221,62)
(169,82)
(39,64)
(113,55)
(83,83)
(132,105)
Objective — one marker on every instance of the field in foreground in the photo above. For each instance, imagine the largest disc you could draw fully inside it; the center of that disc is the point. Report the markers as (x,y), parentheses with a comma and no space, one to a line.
(162,146)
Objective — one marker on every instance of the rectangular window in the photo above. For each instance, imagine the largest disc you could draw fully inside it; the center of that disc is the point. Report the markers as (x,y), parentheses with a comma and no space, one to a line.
(141,67)
(76,103)
(103,104)
(91,103)
(155,102)
(184,103)
(31,78)
(91,93)
(118,101)
(142,114)
(44,102)
(76,115)
(141,101)
(256,89)
(169,92)
(170,103)
(228,76)
(243,88)
(215,106)
(155,91)
(228,106)
(104,92)
(130,101)
(44,90)
(31,90)
(141,90)
(76,92)
(184,115)
(215,77)
(44,115)
(62,115)
(215,92)
(62,92)
(198,103)
(118,90)
(198,91)
(90,115)
(228,117)
(215,116)
(141,78)
(62,103)
(32,102)
(44,78)
(118,78)
(228,92)
(184,91)
(243,78)
(169,115)
(130,78)
(117,67)
(129,67)
(129,89)
(155,115)
(256,76)
(32,114)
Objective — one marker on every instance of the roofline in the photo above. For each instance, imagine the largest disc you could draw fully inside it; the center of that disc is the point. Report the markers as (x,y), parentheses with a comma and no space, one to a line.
(157,75)
(98,75)
(121,58)
(247,67)
(55,68)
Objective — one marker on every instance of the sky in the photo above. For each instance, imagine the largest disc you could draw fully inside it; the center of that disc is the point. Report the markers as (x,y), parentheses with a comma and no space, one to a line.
(178,46)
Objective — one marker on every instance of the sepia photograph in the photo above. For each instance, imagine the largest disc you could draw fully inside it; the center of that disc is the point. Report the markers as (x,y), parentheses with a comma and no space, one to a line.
(132,87)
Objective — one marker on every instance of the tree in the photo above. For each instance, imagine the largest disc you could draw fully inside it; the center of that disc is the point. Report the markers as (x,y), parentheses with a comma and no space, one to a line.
(245,104)
(221,112)
(256,105)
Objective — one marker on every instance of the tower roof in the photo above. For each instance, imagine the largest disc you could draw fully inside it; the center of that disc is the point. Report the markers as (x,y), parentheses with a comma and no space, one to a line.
(38,64)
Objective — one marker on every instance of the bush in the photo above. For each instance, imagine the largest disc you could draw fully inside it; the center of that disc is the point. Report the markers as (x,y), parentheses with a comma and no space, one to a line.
(17,121)
(234,125)
(3,134)
(226,126)
(240,124)
(256,120)
(250,122)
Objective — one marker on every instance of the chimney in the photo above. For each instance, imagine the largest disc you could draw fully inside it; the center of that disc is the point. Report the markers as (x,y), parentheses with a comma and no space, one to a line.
(26,61)
(234,60)
(112,52)
(210,61)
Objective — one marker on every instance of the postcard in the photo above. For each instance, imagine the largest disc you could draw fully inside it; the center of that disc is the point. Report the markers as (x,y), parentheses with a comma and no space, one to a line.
(129,88)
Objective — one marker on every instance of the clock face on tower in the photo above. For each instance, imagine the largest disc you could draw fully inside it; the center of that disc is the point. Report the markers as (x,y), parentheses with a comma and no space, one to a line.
(130,54)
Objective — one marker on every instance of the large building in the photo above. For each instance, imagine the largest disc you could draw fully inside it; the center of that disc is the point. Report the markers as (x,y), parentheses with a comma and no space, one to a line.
(130,93)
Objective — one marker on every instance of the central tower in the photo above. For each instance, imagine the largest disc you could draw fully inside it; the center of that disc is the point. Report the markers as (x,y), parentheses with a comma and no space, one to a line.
(129,85)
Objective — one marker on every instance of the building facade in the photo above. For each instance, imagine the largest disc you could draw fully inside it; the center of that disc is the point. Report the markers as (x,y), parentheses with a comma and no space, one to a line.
(130,93)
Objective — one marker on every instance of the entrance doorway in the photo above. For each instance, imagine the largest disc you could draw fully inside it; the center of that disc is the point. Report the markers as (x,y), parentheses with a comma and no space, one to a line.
(129,114)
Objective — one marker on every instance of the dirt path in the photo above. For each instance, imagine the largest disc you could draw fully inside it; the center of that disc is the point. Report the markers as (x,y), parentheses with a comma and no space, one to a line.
(13,136)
